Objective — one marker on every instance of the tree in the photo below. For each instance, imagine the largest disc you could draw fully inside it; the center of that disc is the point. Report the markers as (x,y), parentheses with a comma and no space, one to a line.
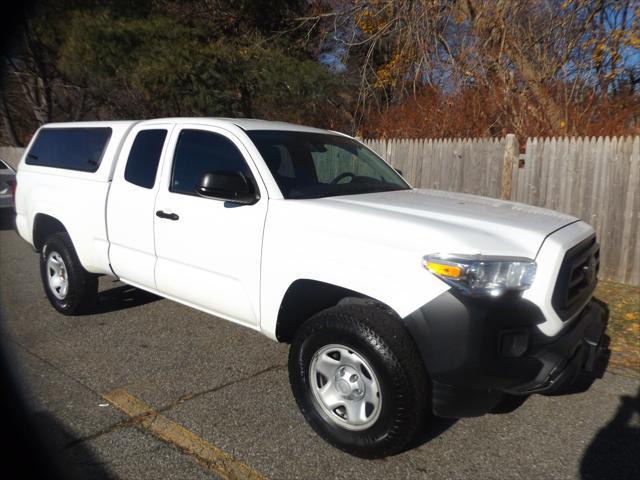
(549,64)
(165,58)
(34,89)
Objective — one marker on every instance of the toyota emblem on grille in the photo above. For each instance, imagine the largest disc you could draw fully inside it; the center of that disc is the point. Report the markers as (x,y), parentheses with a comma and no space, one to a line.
(589,270)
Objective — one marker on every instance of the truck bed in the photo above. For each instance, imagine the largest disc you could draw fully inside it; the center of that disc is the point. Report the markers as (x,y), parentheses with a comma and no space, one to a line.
(73,197)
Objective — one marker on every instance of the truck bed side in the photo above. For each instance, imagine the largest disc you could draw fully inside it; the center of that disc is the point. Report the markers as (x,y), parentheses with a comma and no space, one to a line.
(75,199)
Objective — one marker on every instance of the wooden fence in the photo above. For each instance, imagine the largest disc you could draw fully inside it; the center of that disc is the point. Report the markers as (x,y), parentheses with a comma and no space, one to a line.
(469,165)
(596,179)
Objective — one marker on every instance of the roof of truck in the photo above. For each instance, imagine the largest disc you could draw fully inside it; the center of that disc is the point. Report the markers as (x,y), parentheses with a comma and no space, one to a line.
(244,123)
(255,124)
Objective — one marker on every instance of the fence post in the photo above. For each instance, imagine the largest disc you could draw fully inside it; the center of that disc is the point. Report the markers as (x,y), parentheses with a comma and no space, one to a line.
(511,152)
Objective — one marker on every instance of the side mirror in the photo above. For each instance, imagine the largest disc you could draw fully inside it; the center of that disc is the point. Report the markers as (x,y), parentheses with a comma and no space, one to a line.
(228,186)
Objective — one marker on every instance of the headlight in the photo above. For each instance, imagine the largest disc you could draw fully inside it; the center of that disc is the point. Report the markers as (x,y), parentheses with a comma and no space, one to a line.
(482,276)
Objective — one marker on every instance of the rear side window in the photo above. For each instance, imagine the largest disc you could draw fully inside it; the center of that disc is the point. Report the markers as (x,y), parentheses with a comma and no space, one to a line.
(199,152)
(144,157)
(70,148)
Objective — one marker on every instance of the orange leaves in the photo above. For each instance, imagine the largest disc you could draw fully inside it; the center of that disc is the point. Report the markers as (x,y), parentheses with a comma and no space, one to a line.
(372,18)
(486,111)
(387,75)
(368,23)
(624,322)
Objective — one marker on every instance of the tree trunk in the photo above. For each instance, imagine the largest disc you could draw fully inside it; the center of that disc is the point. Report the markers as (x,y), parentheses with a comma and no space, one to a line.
(8,128)
(531,76)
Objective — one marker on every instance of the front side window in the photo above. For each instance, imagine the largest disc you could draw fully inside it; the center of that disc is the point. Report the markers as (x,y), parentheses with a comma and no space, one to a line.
(199,152)
(314,165)
(69,148)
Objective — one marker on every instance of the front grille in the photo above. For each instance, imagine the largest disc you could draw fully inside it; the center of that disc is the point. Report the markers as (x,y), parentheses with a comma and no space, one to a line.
(577,278)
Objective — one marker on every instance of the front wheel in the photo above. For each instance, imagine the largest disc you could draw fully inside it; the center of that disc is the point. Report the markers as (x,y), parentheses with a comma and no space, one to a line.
(68,286)
(359,380)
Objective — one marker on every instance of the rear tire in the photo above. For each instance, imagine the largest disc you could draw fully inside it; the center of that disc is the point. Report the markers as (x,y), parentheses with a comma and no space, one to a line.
(68,286)
(361,358)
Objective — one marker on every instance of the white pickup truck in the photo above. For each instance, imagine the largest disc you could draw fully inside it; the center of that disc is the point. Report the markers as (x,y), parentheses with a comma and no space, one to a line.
(397,302)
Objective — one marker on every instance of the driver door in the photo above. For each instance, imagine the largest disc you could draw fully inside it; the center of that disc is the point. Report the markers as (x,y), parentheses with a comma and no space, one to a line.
(209,250)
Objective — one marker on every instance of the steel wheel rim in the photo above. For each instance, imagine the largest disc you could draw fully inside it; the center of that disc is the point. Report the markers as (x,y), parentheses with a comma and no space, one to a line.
(345,387)
(57,275)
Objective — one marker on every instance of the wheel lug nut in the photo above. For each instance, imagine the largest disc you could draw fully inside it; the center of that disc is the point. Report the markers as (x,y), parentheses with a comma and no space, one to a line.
(353,378)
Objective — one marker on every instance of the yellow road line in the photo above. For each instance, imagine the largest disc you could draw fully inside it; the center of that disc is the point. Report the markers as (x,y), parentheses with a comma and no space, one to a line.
(213,458)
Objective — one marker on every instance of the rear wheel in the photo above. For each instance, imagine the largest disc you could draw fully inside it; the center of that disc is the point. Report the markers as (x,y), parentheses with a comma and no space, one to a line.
(68,286)
(359,380)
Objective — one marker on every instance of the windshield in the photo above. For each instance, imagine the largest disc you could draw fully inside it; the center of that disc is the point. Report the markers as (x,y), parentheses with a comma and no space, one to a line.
(314,165)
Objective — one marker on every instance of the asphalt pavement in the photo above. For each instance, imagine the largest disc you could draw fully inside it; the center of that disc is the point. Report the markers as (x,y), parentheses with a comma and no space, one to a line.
(226,387)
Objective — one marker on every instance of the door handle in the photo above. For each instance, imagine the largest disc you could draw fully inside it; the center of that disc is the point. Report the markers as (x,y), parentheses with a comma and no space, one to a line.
(168,216)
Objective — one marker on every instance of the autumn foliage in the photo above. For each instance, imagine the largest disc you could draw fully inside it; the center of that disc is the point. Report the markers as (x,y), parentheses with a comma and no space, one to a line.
(375,68)
(455,68)
(483,112)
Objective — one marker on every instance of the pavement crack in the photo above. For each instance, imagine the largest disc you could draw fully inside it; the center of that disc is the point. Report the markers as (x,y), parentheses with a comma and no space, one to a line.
(138,419)
(127,422)
(51,365)
(191,396)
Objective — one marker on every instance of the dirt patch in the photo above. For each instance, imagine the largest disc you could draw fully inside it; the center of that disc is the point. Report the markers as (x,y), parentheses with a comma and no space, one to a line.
(624,323)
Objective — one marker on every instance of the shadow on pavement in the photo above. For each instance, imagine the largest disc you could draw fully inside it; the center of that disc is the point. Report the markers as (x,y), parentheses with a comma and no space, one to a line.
(123,297)
(77,462)
(34,443)
(435,427)
(509,403)
(614,453)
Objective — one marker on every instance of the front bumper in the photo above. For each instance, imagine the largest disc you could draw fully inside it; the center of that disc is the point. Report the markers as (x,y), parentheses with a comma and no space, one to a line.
(476,350)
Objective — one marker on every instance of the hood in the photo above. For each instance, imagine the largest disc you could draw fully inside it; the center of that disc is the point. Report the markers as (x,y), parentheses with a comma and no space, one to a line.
(461,223)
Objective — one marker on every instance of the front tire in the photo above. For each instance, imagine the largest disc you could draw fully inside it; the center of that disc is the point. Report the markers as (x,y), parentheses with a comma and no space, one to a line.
(68,286)
(359,380)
